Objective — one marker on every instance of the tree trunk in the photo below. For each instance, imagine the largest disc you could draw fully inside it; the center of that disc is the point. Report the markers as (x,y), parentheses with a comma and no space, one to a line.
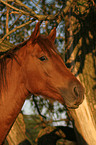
(17,135)
(80,27)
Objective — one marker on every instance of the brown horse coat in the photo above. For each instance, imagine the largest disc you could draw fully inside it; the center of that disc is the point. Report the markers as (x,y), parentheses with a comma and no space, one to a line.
(34,67)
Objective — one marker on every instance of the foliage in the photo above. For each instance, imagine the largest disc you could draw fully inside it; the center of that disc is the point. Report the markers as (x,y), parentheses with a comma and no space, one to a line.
(41,133)
(19,18)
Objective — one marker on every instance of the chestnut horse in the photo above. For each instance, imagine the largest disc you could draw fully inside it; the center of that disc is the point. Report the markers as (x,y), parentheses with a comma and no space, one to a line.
(34,67)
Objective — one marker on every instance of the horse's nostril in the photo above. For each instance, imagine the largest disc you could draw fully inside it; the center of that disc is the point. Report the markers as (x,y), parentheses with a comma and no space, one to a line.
(76,91)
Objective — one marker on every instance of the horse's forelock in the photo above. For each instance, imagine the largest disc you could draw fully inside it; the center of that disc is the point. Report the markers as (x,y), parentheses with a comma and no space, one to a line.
(45,43)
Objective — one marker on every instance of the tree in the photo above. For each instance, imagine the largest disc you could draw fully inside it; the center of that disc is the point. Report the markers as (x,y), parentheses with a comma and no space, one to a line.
(79,19)
(81,57)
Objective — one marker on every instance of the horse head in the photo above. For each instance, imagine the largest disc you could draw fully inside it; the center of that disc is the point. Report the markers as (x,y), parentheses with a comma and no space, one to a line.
(46,72)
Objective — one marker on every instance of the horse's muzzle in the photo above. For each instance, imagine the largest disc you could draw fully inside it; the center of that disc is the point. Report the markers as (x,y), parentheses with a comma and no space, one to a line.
(73,95)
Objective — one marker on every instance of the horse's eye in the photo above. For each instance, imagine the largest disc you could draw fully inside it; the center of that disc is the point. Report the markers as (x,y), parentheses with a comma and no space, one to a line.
(42,58)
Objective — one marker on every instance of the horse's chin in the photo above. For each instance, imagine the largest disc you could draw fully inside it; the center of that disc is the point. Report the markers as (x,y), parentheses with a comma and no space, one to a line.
(72,107)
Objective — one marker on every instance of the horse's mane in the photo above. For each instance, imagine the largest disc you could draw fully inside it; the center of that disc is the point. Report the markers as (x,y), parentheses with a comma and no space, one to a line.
(10,53)
(46,44)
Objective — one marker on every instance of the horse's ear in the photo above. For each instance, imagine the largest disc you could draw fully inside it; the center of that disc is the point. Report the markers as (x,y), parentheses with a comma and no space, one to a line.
(36,32)
(52,34)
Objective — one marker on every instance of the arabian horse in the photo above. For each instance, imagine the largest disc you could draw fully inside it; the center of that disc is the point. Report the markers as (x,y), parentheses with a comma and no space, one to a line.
(34,67)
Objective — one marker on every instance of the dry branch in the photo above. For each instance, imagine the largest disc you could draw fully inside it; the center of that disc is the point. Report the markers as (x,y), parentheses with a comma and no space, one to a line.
(7,17)
(37,16)
(12,7)
(57,17)
(23,5)
(18,27)
(15,21)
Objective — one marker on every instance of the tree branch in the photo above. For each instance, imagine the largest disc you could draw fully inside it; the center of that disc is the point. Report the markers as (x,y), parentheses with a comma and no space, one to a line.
(12,7)
(23,5)
(7,17)
(37,107)
(15,21)
(57,16)
(18,27)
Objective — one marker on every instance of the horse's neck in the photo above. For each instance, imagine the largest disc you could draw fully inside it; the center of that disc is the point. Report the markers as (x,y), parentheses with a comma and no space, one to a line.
(12,97)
